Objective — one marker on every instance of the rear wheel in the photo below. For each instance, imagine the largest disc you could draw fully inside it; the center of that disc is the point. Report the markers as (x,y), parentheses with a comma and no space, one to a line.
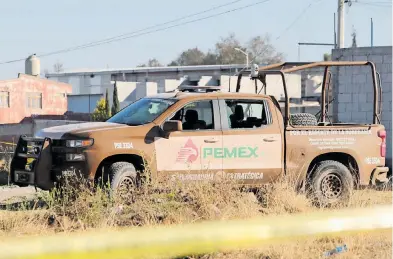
(331,183)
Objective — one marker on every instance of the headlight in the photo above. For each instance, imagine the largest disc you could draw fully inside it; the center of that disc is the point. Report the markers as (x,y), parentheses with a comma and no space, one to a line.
(79,143)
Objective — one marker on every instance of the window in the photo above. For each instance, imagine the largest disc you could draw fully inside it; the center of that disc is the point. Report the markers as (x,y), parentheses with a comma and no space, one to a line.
(246,114)
(4,99)
(196,116)
(34,100)
(143,111)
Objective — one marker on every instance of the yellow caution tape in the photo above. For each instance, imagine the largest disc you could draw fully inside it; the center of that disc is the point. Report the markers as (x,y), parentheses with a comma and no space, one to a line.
(200,238)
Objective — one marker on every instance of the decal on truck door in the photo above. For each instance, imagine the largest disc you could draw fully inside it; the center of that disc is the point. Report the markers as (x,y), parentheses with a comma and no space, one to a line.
(234,152)
(252,152)
(188,153)
(238,152)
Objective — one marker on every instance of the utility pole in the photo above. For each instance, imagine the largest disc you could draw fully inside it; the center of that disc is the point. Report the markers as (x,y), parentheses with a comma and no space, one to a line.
(341,27)
(372,33)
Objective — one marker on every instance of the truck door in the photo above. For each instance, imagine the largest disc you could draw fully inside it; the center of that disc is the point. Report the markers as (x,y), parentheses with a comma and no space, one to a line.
(190,153)
(252,141)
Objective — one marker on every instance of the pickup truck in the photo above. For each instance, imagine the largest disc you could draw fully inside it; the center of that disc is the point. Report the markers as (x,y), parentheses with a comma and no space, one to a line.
(202,133)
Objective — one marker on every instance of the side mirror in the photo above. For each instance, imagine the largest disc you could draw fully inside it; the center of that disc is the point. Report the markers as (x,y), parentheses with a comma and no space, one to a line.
(171,126)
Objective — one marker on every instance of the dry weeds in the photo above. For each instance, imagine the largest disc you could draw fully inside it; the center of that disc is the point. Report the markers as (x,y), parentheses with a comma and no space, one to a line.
(80,209)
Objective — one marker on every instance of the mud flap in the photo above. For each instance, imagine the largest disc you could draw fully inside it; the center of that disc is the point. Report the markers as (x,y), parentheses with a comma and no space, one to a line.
(43,167)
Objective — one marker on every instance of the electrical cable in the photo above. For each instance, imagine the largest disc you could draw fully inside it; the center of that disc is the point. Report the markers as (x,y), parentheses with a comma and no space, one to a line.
(119,38)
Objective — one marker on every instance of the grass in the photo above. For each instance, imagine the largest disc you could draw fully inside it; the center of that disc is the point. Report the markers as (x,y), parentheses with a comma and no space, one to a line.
(80,209)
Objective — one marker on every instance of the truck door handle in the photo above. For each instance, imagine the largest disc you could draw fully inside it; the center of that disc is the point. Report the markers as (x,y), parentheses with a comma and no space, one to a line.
(211,140)
(269,139)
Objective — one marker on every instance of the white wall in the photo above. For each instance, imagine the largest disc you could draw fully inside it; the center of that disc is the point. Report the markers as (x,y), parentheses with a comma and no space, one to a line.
(168,81)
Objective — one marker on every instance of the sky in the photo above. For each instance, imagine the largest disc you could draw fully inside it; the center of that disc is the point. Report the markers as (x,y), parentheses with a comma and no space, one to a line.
(43,26)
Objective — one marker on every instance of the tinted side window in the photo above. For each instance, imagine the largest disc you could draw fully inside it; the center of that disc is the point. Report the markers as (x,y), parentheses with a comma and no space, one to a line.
(196,115)
(246,114)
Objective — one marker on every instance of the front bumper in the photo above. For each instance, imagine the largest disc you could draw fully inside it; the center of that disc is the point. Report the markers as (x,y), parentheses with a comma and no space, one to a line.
(379,175)
(45,167)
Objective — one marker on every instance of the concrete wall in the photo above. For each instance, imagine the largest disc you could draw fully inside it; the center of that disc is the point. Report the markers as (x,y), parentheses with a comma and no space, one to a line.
(30,128)
(354,89)
(54,98)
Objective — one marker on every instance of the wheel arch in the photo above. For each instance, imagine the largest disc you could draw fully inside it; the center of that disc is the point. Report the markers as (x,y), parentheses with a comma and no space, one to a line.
(346,159)
(136,160)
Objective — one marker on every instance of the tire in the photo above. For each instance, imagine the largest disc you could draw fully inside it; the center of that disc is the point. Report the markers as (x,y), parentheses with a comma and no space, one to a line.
(303,119)
(331,183)
(122,175)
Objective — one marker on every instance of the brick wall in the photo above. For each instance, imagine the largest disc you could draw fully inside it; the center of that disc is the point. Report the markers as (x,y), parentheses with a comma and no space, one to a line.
(353,88)
(53,98)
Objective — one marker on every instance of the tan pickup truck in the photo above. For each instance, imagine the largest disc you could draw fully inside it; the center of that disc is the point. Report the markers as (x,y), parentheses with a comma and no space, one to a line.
(204,134)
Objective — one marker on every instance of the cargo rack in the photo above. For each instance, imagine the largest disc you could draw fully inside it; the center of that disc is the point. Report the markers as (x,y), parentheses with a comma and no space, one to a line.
(198,88)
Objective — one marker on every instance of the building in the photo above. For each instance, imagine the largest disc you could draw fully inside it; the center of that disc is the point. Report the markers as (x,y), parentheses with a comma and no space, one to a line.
(29,95)
(88,86)
(354,89)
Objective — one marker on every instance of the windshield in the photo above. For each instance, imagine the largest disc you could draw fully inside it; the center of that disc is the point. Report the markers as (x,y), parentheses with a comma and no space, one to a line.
(143,111)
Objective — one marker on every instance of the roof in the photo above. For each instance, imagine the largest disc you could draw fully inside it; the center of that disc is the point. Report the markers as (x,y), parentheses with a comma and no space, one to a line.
(22,76)
(146,70)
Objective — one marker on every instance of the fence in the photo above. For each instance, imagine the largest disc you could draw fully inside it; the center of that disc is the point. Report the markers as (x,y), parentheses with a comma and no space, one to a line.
(200,238)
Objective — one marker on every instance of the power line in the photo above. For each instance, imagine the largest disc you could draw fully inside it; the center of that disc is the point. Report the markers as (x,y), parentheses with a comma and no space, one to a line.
(281,34)
(298,17)
(127,36)
(149,27)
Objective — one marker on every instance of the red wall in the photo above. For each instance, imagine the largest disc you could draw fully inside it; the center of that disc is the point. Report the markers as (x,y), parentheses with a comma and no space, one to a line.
(53,102)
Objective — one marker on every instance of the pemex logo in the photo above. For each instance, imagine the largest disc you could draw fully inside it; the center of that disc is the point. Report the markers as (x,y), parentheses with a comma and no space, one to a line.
(188,153)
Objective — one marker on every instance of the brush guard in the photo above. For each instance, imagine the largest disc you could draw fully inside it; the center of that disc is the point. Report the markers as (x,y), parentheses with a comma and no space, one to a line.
(32,163)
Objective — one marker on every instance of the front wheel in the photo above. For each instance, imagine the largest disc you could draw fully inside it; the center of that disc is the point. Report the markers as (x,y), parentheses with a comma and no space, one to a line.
(331,183)
(123,178)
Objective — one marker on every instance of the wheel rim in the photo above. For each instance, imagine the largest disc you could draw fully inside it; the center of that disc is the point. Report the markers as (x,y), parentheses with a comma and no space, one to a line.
(124,186)
(332,186)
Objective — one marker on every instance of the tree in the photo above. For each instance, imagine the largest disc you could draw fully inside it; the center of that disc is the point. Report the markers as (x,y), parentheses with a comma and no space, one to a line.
(226,50)
(99,113)
(107,109)
(262,51)
(151,63)
(115,102)
(58,67)
(259,49)
(190,57)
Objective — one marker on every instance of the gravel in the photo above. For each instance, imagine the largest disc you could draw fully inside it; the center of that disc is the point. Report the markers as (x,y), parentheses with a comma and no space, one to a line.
(8,192)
